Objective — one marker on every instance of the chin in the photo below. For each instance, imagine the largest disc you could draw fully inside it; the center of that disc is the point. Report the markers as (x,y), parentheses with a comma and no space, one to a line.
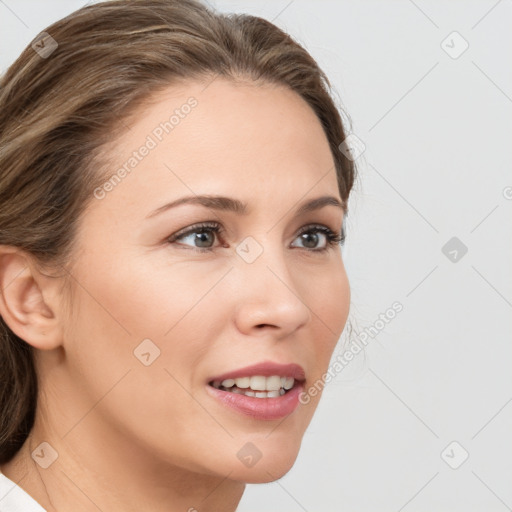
(260,461)
(264,472)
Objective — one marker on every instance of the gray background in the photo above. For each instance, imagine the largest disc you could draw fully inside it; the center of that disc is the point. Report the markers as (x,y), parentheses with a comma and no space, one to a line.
(437,134)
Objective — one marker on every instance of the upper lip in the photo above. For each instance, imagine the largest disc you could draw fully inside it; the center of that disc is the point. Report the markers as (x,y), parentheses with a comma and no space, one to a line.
(267,369)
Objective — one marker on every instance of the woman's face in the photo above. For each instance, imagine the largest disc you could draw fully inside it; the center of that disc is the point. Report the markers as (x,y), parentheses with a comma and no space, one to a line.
(157,319)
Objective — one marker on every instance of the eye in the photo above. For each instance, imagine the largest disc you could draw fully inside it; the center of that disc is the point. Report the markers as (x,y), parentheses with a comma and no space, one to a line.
(205,233)
(310,235)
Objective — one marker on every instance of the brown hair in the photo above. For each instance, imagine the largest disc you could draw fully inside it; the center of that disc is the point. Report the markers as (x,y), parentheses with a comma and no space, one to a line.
(58,110)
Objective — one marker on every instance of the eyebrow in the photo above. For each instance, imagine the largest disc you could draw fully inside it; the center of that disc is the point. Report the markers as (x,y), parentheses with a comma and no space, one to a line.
(236,206)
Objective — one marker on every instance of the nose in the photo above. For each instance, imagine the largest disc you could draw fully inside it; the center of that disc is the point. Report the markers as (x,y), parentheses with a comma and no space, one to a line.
(268,297)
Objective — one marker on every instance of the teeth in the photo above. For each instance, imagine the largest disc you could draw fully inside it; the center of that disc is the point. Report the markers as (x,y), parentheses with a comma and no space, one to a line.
(289,383)
(261,383)
(258,383)
(243,382)
(273,383)
(257,386)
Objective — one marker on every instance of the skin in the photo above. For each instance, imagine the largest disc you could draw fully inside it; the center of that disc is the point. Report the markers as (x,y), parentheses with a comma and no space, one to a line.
(131,437)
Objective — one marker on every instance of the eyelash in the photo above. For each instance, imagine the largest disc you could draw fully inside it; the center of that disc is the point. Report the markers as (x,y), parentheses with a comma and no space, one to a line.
(333,238)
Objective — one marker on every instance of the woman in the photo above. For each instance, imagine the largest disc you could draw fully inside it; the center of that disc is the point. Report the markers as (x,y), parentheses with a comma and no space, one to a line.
(172,204)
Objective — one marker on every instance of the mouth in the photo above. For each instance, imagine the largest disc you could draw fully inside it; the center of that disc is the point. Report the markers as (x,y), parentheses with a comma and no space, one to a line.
(257,386)
(264,391)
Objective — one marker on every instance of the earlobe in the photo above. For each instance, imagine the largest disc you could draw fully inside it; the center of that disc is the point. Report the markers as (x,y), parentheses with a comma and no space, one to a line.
(23,306)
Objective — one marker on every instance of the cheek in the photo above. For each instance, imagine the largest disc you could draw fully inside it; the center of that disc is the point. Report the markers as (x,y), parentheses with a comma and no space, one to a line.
(139,298)
(132,313)
(329,310)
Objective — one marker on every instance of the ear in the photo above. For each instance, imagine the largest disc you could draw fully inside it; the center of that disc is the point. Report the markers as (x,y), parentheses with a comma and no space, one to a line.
(28,300)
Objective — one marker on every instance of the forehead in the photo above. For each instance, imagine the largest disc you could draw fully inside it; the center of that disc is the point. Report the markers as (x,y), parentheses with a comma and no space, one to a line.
(262,140)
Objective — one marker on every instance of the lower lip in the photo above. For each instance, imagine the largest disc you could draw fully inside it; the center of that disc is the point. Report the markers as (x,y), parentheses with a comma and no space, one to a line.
(260,408)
